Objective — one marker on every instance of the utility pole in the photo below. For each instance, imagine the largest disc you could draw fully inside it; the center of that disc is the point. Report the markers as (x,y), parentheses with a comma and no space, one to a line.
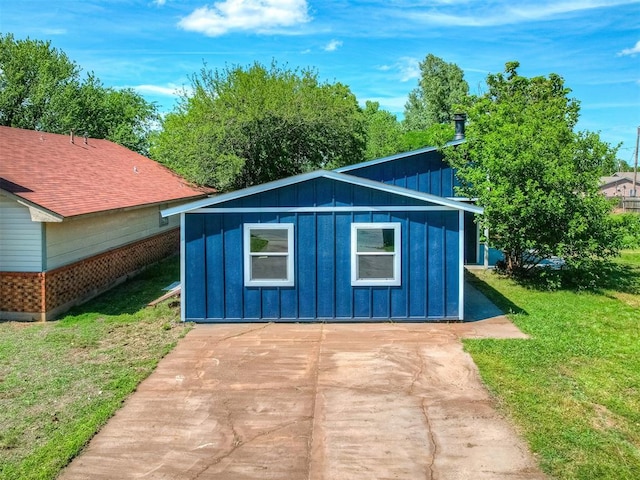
(635,167)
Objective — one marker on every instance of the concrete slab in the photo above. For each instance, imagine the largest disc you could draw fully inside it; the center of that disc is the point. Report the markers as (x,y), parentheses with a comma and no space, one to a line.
(313,401)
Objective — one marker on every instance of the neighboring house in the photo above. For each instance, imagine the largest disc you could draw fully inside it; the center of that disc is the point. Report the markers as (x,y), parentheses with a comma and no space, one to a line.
(375,241)
(78,215)
(620,184)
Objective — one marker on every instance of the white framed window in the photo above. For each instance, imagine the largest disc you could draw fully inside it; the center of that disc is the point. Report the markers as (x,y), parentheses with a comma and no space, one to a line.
(268,254)
(375,254)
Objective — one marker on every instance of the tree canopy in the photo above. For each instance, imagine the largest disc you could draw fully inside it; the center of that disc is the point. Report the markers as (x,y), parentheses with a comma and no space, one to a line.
(441,87)
(383,132)
(42,89)
(536,178)
(245,126)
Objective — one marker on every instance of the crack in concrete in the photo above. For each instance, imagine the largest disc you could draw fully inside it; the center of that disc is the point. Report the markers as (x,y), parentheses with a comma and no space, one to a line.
(431,472)
(238,442)
(416,376)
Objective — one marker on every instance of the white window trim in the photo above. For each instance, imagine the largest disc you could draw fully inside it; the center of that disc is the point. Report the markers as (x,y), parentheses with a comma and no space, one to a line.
(289,281)
(397,255)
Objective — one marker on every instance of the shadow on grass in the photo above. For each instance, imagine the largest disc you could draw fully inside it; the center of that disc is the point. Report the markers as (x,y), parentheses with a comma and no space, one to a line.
(593,276)
(134,294)
(499,300)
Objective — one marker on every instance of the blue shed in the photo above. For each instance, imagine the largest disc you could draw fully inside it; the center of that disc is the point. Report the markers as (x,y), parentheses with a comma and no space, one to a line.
(323,246)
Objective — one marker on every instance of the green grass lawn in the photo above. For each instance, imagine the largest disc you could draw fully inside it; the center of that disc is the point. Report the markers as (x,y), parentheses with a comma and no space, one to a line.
(61,381)
(573,389)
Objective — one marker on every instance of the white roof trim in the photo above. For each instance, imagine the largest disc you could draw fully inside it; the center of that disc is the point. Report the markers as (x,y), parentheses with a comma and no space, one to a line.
(397,156)
(406,192)
(341,177)
(37,212)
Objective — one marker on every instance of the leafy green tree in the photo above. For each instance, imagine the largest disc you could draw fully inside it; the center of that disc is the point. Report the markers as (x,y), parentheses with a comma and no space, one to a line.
(243,127)
(621,166)
(536,178)
(434,136)
(384,134)
(37,82)
(42,89)
(441,87)
(120,115)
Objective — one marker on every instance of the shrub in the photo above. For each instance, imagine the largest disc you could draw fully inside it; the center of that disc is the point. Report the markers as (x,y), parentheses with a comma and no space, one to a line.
(629,227)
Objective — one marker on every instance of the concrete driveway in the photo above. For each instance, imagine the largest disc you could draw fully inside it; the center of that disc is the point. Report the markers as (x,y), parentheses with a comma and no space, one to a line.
(313,401)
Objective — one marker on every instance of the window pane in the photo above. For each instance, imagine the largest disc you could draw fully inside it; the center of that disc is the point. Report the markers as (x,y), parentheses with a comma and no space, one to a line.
(375,240)
(269,240)
(269,268)
(372,267)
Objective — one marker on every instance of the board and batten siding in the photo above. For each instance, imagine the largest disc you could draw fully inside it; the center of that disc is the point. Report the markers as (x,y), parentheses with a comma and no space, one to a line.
(20,238)
(214,288)
(76,239)
(423,171)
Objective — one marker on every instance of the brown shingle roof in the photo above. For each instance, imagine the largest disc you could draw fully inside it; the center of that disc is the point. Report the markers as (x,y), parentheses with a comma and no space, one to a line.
(78,178)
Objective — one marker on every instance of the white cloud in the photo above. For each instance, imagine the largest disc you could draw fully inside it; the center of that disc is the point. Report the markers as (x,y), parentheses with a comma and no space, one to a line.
(408,68)
(160,2)
(170,90)
(246,15)
(332,45)
(500,13)
(630,51)
(55,31)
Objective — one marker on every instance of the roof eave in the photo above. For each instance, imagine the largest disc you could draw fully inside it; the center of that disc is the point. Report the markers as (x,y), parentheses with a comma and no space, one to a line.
(37,212)
(426,197)
(138,207)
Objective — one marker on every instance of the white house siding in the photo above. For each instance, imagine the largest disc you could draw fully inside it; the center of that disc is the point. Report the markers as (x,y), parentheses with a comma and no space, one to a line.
(76,239)
(20,238)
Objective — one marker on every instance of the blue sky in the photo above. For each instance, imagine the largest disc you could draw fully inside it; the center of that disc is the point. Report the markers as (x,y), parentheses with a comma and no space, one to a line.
(373,46)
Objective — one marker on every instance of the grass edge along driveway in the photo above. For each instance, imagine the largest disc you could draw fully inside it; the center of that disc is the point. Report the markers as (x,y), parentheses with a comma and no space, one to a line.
(61,381)
(573,389)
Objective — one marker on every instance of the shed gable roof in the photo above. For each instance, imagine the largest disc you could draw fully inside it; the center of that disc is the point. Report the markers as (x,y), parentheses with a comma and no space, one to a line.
(331,175)
(64,179)
(391,158)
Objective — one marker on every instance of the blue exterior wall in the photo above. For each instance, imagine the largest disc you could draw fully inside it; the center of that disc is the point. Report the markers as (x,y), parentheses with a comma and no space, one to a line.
(214,290)
(425,172)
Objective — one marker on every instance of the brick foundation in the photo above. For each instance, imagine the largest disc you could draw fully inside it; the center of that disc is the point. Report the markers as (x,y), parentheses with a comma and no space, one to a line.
(42,295)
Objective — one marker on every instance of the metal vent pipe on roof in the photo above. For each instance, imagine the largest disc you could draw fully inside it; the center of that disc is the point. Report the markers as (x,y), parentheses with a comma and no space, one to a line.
(71,136)
(459,120)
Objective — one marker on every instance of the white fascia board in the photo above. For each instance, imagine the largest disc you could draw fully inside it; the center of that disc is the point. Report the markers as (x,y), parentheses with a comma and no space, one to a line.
(461,266)
(244,192)
(356,208)
(405,192)
(37,212)
(183,269)
(40,214)
(341,177)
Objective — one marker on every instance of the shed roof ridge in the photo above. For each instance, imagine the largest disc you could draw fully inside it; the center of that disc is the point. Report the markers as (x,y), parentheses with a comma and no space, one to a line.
(396,156)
